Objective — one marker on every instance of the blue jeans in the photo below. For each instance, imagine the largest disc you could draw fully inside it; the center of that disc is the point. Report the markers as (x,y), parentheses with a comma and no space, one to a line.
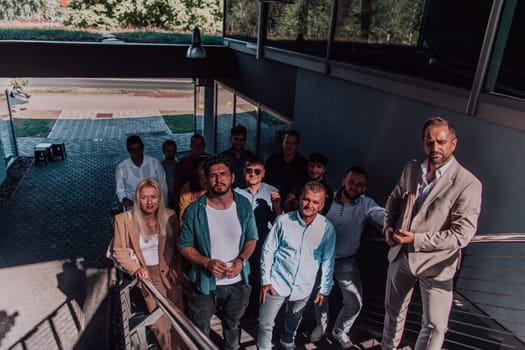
(232,300)
(267,314)
(348,278)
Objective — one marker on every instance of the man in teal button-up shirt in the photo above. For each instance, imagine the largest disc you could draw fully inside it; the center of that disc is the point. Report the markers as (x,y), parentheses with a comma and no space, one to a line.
(217,238)
(299,242)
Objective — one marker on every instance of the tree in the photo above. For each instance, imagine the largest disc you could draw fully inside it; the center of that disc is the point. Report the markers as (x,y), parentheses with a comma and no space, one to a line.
(205,14)
(35,9)
(241,18)
(90,14)
(172,15)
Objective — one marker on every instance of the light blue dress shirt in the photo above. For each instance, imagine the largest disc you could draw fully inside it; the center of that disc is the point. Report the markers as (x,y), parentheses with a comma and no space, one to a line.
(293,252)
(350,220)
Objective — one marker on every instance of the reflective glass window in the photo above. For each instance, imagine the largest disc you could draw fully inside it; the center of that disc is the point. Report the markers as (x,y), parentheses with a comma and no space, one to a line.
(199,109)
(246,115)
(508,58)
(437,40)
(272,129)
(302,26)
(224,118)
(7,140)
(240,19)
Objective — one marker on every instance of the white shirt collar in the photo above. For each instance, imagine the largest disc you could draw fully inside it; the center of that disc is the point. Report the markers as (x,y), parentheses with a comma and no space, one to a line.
(439,172)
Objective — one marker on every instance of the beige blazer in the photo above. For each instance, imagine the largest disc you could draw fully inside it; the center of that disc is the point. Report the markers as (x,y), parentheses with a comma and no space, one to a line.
(126,236)
(445,222)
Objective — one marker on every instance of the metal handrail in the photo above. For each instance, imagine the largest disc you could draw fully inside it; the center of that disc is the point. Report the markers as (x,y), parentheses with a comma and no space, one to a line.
(487,302)
(499,238)
(192,336)
(479,238)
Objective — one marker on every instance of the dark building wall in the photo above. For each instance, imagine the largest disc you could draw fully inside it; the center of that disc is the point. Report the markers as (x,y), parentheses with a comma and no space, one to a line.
(268,82)
(357,125)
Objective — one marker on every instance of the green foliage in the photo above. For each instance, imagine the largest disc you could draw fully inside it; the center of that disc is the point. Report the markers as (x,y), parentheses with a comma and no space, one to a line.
(241,18)
(380,21)
(92,16)
(205,14)
(171,15)
(303,18)
(369,21)
(167,14)
(35,9)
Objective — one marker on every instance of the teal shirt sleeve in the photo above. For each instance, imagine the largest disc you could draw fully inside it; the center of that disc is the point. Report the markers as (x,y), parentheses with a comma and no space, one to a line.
(195,234)
(187,236)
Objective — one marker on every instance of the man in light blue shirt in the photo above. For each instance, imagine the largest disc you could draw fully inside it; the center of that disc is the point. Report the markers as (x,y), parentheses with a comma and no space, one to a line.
(350,211)
(298,243)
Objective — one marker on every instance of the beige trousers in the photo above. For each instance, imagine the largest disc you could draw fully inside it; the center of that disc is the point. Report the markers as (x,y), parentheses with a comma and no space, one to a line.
(166,337)
(436,300)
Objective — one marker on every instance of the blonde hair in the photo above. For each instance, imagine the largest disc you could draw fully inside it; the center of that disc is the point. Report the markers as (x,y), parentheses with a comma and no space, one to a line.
(161,214)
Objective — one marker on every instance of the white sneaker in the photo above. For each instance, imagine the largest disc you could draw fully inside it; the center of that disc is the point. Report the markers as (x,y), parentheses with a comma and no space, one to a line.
(342,338)
(287,346)
(317,333)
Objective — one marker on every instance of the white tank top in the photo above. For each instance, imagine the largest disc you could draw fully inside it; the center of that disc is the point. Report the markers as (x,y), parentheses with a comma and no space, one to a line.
(150,250)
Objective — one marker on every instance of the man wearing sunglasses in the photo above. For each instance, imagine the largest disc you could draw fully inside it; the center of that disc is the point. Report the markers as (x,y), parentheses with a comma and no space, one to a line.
(266,204)
(265,198)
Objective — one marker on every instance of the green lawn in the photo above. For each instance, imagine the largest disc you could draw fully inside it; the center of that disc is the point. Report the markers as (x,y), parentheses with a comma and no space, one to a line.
(33,127)
(178,123)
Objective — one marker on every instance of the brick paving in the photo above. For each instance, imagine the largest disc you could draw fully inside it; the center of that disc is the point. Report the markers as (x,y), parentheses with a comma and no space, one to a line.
(55,229)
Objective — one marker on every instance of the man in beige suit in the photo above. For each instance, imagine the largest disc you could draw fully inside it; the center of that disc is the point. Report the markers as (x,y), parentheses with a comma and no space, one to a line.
(444,219)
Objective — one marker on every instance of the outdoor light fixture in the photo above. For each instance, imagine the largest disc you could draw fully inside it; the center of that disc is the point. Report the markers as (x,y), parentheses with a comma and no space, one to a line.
(196,50)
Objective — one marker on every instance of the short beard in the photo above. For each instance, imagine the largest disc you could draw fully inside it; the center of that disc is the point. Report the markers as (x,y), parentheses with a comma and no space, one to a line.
(220,193)
(347,195)
(442,160)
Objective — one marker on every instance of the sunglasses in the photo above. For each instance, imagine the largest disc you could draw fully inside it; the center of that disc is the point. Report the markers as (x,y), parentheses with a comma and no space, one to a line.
(253,171)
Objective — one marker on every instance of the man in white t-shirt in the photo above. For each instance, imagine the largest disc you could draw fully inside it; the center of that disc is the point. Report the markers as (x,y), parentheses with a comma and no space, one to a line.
(135,169)
(218,237)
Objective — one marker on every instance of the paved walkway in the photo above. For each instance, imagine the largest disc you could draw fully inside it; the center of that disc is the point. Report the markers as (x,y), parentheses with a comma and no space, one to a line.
(55,229)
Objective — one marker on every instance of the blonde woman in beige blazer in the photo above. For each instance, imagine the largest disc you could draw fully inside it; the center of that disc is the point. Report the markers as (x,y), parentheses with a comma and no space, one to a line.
(151,232)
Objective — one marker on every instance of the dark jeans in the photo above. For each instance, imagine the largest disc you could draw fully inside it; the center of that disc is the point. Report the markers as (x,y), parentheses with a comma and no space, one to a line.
(232,300)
